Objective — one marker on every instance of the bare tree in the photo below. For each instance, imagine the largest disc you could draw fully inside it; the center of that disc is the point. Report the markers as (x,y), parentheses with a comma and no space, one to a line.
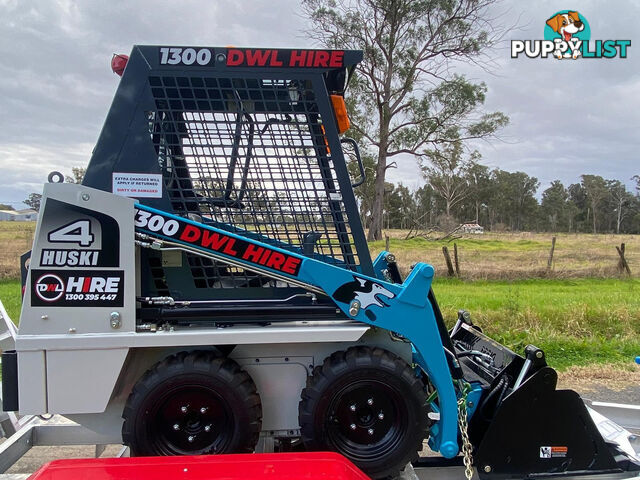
(447,173)
(407,98)
(620,199)
(596,190)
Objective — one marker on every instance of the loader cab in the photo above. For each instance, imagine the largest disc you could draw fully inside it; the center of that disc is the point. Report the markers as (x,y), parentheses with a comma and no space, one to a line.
(246,140)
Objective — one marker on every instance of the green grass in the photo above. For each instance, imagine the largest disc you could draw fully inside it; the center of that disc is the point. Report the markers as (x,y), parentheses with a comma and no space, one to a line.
(576,322)
(10,296)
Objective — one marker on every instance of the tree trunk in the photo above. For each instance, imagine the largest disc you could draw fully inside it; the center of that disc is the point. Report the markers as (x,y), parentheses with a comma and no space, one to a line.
(478,212)
(619,218)
(375,228)
(593,207)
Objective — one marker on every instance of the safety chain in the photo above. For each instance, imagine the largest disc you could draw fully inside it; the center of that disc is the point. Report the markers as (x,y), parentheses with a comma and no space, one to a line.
(462,422)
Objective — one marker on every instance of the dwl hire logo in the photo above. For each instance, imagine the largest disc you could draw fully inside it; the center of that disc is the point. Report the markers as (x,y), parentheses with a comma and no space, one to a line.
(567,35)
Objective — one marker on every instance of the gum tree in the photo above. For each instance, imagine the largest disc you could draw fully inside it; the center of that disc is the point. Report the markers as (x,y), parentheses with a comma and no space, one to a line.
(407,99)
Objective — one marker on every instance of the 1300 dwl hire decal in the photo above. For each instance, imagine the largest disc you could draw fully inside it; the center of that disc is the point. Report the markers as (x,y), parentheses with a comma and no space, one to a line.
(67,288)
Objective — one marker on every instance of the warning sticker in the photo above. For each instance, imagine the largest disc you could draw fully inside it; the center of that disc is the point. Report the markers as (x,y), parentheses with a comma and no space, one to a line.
(553,452)
(138,185)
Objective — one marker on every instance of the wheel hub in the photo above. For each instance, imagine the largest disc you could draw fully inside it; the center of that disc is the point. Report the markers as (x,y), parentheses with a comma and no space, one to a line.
(364,418)
(193,420)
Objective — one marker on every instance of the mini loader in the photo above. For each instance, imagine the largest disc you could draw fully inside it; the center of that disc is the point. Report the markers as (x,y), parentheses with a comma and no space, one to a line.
(208,289)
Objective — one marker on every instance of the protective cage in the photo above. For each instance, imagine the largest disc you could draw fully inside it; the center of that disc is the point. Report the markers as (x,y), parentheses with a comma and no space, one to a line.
(251,150)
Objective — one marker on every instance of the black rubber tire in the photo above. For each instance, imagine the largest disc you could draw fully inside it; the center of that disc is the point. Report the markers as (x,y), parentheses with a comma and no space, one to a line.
(230,421)
(350,379)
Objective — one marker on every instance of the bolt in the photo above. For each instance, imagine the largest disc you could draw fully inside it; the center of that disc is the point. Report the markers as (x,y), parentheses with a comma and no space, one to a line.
(469,404)
(191,438)
(539,354)
(487,468)
(391,258)
(207,428)
(115,320)
(86,197)
(45,317)
(370,431)
(370,402)
(176,426)
(354,308)
(352,408)
(352,426)
(203,410)
(72,330)
(183,409)
(381,416)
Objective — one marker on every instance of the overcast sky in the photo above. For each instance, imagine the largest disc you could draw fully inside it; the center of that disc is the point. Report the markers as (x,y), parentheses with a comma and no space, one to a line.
(567,117)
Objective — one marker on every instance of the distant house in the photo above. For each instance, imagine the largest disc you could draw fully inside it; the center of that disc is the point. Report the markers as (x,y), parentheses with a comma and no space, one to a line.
(26,215)
(471,228)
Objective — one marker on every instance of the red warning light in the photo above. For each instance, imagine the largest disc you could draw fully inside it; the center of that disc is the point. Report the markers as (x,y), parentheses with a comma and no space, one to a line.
(118,63)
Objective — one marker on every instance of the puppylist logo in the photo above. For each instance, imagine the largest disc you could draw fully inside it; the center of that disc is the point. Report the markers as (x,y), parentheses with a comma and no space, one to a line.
(567,34)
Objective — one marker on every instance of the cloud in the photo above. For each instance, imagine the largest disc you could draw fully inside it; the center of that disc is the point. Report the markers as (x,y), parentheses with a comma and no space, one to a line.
(25,168)
(569,117)
(56,86)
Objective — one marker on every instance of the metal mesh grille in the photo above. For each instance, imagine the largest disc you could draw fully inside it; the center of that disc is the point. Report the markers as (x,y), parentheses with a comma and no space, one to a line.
(250,156)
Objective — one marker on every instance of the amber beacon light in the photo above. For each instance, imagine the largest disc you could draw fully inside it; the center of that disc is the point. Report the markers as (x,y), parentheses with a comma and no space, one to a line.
(340,110)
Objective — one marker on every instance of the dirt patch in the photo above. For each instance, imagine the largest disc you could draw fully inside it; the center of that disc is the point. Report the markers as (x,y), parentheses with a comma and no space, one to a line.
(619,381)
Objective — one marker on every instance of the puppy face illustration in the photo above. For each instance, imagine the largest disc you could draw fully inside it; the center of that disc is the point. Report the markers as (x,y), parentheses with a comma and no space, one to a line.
(566,24)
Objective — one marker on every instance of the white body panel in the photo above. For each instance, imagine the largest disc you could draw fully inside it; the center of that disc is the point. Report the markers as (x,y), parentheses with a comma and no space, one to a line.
(72,360)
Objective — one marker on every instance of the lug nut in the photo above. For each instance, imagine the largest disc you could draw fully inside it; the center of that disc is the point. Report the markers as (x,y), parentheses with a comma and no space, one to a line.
(352,426)
(207,428)
(381,416)
(352,408)
(203,409)
(370,431)
(191,438)
(183,409)
(176,426)
(370,401)
(487,468)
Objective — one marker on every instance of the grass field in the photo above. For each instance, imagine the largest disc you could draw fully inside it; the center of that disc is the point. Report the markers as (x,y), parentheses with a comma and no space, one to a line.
(577,322)
(15,239)
(519,255)
(492,256)
(10,296)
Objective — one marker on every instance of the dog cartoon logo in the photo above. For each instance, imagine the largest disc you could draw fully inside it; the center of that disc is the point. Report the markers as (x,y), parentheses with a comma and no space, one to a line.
(365,291)
(565,27)
(567,34)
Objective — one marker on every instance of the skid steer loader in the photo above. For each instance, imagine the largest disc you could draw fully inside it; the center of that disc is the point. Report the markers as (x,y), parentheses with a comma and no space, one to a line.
(208,289)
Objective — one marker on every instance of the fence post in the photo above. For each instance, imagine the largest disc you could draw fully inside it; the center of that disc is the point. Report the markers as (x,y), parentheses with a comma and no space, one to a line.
(455,259)
(386,243)
(447,257)
(622,263)
(550,260)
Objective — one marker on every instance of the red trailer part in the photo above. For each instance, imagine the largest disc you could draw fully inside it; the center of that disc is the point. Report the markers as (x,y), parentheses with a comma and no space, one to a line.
(281,466)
